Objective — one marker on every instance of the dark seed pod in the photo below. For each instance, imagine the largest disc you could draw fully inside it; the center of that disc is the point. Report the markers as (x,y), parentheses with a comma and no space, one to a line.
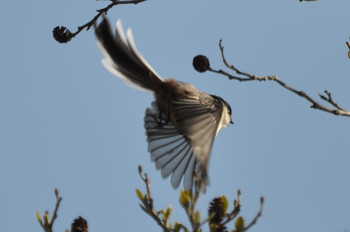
(201,63)
(80,225)
(62,34)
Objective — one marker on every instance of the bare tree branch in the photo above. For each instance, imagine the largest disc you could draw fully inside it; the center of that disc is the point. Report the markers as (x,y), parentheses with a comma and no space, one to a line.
(236,210)
(54,216)
(104,11)
(148,202)
(337,110)
(46,224)
(63,35)
(257,216)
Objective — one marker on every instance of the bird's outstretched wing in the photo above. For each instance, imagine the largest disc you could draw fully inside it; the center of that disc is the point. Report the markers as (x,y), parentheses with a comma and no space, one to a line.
(199,116)
(183,153)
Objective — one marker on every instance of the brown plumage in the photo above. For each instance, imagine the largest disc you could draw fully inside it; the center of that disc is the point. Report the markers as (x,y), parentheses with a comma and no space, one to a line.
(183,121)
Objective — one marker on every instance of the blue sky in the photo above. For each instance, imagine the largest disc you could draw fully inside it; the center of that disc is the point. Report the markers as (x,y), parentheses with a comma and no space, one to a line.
(67,123)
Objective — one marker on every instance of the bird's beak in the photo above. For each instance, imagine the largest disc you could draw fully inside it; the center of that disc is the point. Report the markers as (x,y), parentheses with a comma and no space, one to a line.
(231,122)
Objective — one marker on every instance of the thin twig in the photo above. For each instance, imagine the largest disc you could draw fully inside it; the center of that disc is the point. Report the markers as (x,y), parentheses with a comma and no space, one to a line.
(257,216)
(190,211)
(63,35)
(159,222)
(47,224)
(206,220)
(104,11)
(249,77)
(330,100)
(151,211)
(54,216)
(144,177)
(195,194)
(236,210)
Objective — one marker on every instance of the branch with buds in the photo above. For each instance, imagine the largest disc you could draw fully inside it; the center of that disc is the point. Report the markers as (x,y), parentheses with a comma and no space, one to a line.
(217,219)
(79,224)
(147,205)
(217,213)
(46,223)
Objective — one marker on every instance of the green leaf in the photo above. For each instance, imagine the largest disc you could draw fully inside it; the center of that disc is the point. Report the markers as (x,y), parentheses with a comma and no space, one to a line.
(144,209)
(39,217)
(185,199)
(161,212)
(225,202)
(171,225)
(177,227)
(169,211)
(211,216)
(139,194)
(46,219)
(164,215)
(239,224)
(197,217)
(145,202)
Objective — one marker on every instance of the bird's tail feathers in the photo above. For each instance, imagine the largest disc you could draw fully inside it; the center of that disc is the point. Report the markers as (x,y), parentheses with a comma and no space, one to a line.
(123,59)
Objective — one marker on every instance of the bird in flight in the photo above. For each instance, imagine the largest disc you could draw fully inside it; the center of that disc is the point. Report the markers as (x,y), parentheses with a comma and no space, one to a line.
(183,121)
